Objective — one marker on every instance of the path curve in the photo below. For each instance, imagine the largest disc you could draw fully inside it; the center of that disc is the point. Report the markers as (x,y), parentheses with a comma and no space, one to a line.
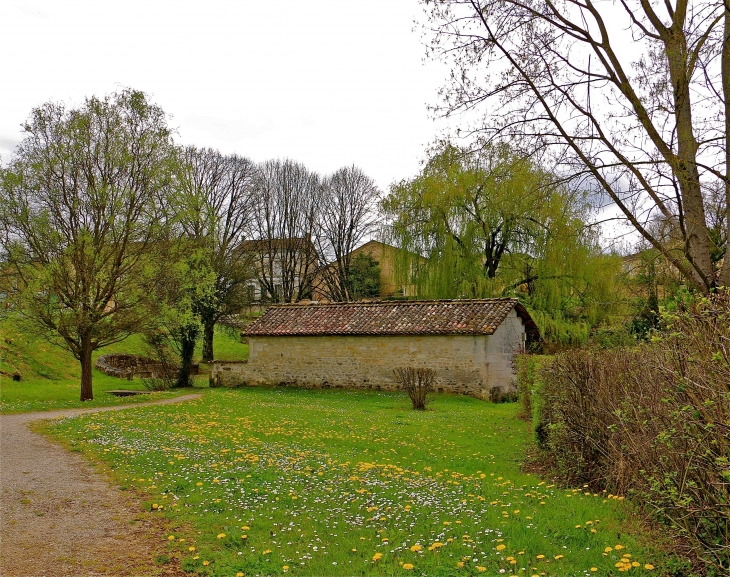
(60,518)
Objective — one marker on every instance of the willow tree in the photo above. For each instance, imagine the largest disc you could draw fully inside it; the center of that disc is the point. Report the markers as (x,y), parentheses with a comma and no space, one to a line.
(491,223)
(633,96)
(80,211)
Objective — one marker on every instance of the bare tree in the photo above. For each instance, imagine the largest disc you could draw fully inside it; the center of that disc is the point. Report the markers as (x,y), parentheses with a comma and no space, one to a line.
(348,215)
(79,213)
(287,204)
(214,208)
(632,96)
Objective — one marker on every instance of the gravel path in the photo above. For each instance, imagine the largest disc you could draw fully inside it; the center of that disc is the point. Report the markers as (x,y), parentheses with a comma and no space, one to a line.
(59,517)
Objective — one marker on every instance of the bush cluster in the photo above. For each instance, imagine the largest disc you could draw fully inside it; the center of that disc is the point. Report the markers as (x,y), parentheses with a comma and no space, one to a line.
(652,421)
(417,383)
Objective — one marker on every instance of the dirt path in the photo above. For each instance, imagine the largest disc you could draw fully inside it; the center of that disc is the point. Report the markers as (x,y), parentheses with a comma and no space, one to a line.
(58,517)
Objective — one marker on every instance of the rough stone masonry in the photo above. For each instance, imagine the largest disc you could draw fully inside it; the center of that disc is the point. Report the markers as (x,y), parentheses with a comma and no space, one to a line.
(470,344)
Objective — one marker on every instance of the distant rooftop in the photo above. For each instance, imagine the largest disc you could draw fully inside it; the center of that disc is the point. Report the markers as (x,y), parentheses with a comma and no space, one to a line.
(436,317)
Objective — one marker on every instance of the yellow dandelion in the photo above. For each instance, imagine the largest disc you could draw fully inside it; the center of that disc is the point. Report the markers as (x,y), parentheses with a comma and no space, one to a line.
(501,547)
(460,564)
(408,566)
(416,548)
(239,574)
(171,538)
(594,569)
(206,562)
(245,528)
(608,549)
(540,557)
(266,552)
(557,557)
(618,547)
(377,556)
(220,535)
(481,569)
(648,566)
(191,549)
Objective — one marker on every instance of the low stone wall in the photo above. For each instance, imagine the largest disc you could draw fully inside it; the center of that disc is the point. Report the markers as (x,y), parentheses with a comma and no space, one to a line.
(466,364)
(125,366)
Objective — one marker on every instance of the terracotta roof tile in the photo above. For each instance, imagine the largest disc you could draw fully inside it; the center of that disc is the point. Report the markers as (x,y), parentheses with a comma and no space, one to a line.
(445,317)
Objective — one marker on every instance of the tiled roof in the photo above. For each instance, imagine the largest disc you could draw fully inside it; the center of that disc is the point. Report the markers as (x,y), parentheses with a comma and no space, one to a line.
(444,317)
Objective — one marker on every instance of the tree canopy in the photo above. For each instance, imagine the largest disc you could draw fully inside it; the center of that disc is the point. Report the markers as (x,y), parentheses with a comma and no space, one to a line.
(492,223)
(81,207)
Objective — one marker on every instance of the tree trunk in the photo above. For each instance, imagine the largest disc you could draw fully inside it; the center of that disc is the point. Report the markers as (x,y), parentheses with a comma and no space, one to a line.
(696,235)
(87,393)
(208,331)
(187,349)
(724,279)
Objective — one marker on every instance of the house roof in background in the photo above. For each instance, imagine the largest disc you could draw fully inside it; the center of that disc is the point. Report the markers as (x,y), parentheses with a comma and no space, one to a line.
(438,317)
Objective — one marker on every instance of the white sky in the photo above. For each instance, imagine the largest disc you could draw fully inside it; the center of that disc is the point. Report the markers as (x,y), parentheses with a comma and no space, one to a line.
(325,82)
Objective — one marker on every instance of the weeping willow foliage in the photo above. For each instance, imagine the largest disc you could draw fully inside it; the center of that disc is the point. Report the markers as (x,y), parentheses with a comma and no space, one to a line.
(490,224)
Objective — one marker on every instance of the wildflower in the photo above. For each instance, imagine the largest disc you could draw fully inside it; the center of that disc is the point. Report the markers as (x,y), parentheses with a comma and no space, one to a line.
(540,557)
(408,566)
(481,569)
(618,547)
(221,535)
(285,568)
(239,574)
(245,528)
(266,552)
(191,549)
(501,547)
(416,548)
(594,569)
(435,545)
(648,566)
(206,562)
(460,564)
(608,549)
(171,538)
(557,557)
(377,556)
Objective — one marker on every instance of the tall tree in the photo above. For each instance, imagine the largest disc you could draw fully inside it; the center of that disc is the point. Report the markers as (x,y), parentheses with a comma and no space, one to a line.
(285,220)
(491,224)
(214,205)
(633,96)
(79,213)
(347,216)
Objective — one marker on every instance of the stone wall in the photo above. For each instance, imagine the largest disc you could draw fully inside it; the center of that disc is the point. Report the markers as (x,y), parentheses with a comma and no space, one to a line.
(471,365)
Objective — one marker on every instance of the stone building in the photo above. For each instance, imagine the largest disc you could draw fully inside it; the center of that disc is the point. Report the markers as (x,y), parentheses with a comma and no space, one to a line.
(470,344)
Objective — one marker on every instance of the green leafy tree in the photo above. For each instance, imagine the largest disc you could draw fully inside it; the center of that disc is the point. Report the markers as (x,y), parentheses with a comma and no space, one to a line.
(80,212)
(363,277)
(185,279)
(492,223)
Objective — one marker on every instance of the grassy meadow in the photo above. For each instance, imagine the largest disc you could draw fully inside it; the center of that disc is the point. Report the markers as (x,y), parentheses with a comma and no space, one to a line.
(328,482)
(51,376)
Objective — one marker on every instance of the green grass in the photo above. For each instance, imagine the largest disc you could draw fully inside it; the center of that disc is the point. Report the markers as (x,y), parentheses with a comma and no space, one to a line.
(51,376)
(330,482)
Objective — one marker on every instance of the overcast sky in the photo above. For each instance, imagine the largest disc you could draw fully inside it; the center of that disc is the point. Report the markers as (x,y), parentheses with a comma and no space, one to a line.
(325,82)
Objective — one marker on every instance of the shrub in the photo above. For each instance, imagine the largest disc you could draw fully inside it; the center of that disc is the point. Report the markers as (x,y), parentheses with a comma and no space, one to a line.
(417,383)
(653,420)
(528,368)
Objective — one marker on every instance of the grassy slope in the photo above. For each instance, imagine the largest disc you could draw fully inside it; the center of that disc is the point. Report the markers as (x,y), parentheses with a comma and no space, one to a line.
(51,376)
(276,481)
